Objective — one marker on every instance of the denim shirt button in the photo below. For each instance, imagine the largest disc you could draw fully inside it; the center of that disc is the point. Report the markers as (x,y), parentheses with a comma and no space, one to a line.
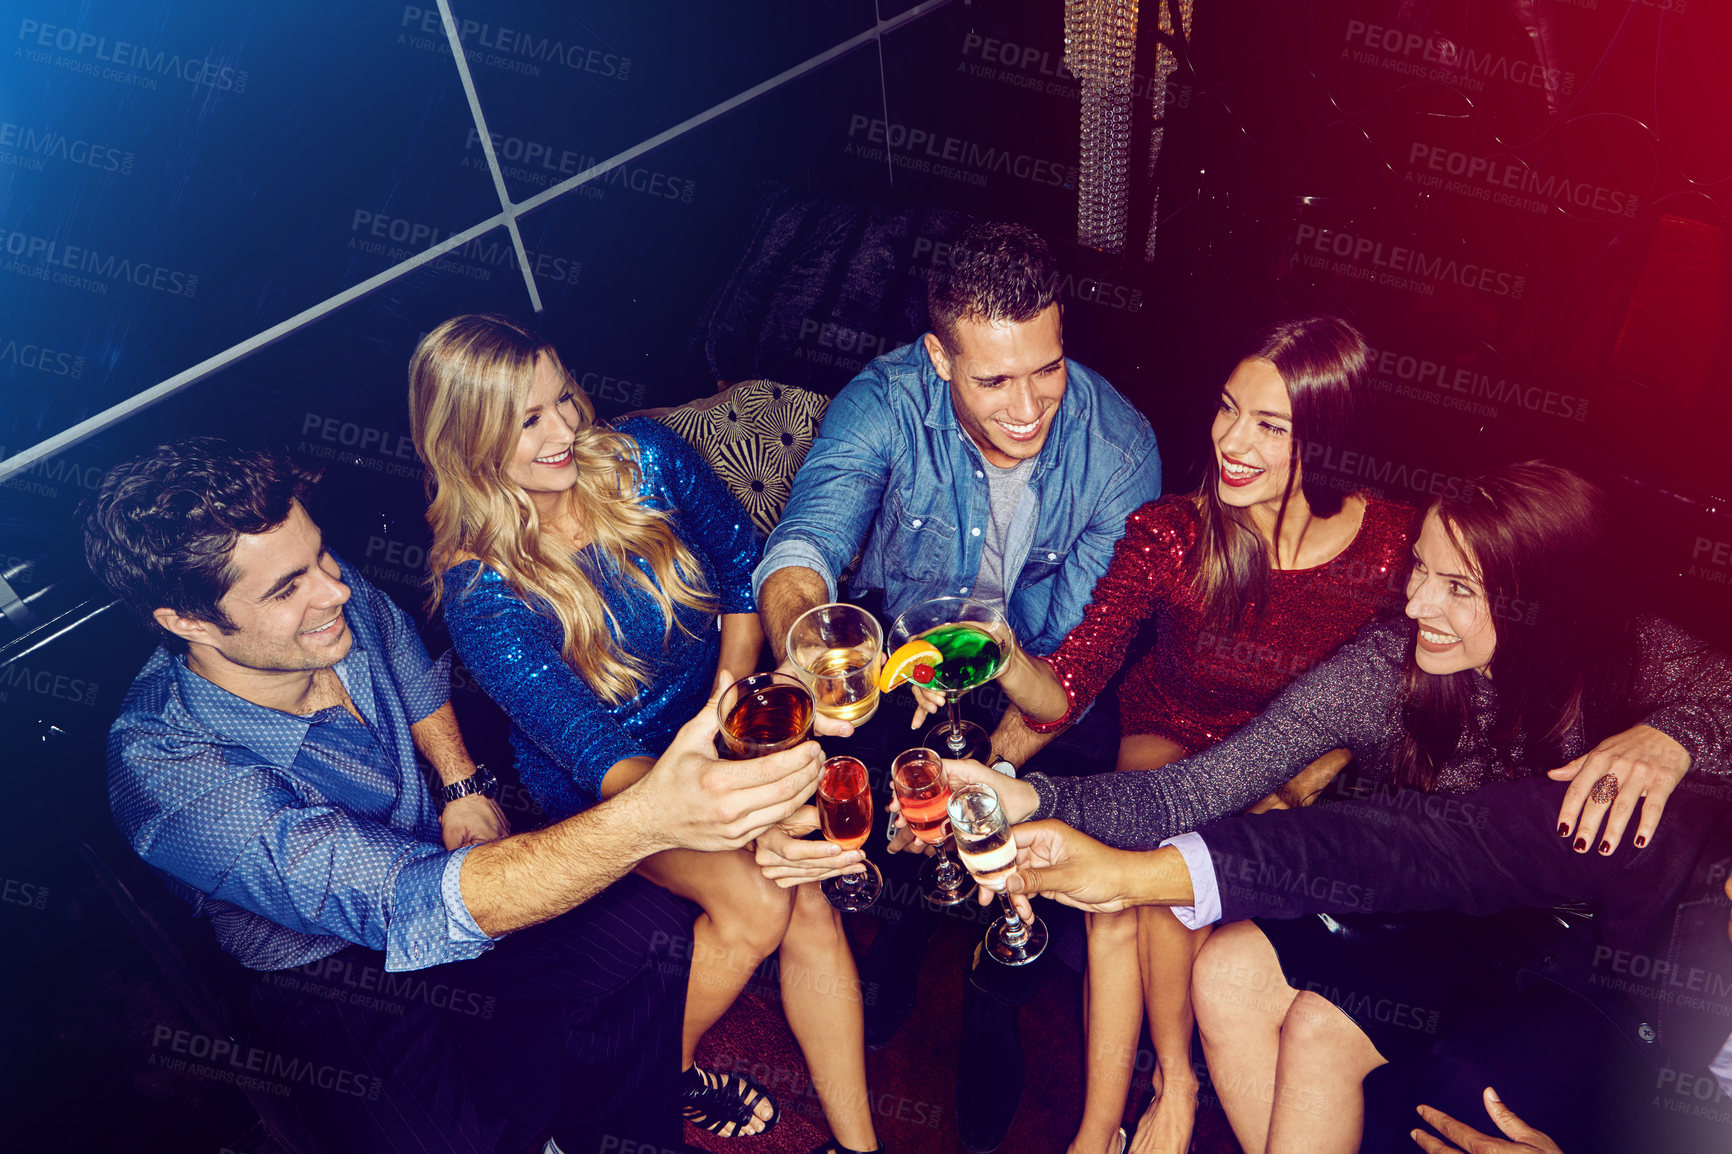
(974,532)
(917,522)
(978,473)
(964,589)
(1052,556)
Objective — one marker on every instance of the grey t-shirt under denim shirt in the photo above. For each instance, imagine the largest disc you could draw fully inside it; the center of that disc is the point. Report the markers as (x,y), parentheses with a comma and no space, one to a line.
(894,479)
(1006,489)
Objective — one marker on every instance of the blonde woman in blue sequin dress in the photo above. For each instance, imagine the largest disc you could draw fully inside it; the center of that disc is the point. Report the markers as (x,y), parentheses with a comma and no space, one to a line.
(581,570)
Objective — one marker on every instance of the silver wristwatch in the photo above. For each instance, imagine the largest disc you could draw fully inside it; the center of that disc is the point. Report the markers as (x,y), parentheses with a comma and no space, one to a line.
(481,781)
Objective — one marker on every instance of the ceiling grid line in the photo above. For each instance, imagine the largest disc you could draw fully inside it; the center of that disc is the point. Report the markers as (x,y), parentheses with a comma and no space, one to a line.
(90,426)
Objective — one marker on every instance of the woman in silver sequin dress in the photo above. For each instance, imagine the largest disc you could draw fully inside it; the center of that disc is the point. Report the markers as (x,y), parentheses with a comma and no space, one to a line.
(1517,659)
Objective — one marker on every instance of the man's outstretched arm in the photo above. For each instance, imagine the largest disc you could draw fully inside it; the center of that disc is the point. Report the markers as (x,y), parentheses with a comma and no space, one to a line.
(690,799)
(1070,867)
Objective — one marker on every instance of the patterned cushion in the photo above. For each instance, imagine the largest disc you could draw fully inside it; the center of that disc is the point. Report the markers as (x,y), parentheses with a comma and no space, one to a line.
(754,435)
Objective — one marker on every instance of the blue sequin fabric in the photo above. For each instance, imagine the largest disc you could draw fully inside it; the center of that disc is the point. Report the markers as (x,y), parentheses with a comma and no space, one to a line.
(564,736)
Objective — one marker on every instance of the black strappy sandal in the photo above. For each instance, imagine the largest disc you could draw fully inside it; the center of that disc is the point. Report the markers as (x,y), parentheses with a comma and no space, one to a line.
(725,1103)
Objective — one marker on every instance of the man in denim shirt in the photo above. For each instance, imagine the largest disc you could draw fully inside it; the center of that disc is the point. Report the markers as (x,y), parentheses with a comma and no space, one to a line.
(264,763)
(977,461)
(903,470)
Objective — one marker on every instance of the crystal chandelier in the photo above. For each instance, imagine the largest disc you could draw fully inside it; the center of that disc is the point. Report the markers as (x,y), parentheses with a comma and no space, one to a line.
(1100,38)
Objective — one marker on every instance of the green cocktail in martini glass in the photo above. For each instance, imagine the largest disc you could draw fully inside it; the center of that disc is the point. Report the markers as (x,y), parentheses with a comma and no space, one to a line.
(975,641)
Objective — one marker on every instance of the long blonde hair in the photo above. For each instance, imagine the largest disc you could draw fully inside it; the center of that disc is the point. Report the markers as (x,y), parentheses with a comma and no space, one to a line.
(469,385)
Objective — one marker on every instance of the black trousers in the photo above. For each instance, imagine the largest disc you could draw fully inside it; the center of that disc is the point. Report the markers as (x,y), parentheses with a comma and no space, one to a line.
(1563,1067)
(569,1028)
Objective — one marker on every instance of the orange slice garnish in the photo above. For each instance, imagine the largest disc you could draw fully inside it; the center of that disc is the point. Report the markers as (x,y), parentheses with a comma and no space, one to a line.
(907,663)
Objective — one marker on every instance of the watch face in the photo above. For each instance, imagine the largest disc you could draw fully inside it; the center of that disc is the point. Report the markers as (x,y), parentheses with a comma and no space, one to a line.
(481,781)
(1004,767)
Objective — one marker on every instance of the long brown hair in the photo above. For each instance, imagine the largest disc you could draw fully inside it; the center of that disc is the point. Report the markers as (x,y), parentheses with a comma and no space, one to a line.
(1534,535)
(469,384)
(1322,361)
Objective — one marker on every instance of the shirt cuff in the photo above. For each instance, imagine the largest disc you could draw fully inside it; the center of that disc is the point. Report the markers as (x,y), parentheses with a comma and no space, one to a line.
(789,554)
(736,599)
(1684,723)
(428,925)
(463,927)
(1721,1066)
(1046,796)
(1205,907)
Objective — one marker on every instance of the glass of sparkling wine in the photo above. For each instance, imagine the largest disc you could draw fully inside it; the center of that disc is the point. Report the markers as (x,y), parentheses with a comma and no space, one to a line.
(973,640)
(984,841)
(845,814)
(917,777)
(835,648)
(763,714)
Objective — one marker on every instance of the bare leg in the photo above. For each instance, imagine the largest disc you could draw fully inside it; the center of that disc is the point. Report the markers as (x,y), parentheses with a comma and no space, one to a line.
(1148,751)
(1113,992)
(1167,951)
(745,918)
(1241,1000)
(821,997)
(1319,1082)
(1113,1012)
(1307,784)
(1165,954)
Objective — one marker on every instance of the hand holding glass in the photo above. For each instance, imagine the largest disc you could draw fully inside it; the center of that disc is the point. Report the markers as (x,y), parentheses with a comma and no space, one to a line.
(987,848)
(835,647)
(974,641)
(764,714)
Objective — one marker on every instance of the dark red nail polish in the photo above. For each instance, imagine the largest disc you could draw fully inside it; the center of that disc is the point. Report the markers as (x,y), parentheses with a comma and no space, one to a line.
(1581,844)
(1605,847)
(1563,829)
(1641,841)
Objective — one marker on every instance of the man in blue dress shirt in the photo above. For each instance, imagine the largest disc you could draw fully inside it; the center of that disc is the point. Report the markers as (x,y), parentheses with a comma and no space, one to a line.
(264,762)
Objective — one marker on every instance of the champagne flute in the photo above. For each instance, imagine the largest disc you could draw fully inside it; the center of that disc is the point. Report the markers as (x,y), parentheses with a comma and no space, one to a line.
(845,814)
(973,641)
(917,777)
(984,841)
(763,714)
(835,647)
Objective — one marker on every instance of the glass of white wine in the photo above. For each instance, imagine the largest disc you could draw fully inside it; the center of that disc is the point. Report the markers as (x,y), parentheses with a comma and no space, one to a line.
(835,648)
(987,848)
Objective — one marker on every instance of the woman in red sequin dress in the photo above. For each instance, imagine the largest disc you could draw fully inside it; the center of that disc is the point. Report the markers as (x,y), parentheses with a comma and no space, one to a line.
(1261,573)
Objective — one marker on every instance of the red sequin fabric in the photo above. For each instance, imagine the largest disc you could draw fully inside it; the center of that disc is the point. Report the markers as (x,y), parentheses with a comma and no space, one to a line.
(1194,687)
